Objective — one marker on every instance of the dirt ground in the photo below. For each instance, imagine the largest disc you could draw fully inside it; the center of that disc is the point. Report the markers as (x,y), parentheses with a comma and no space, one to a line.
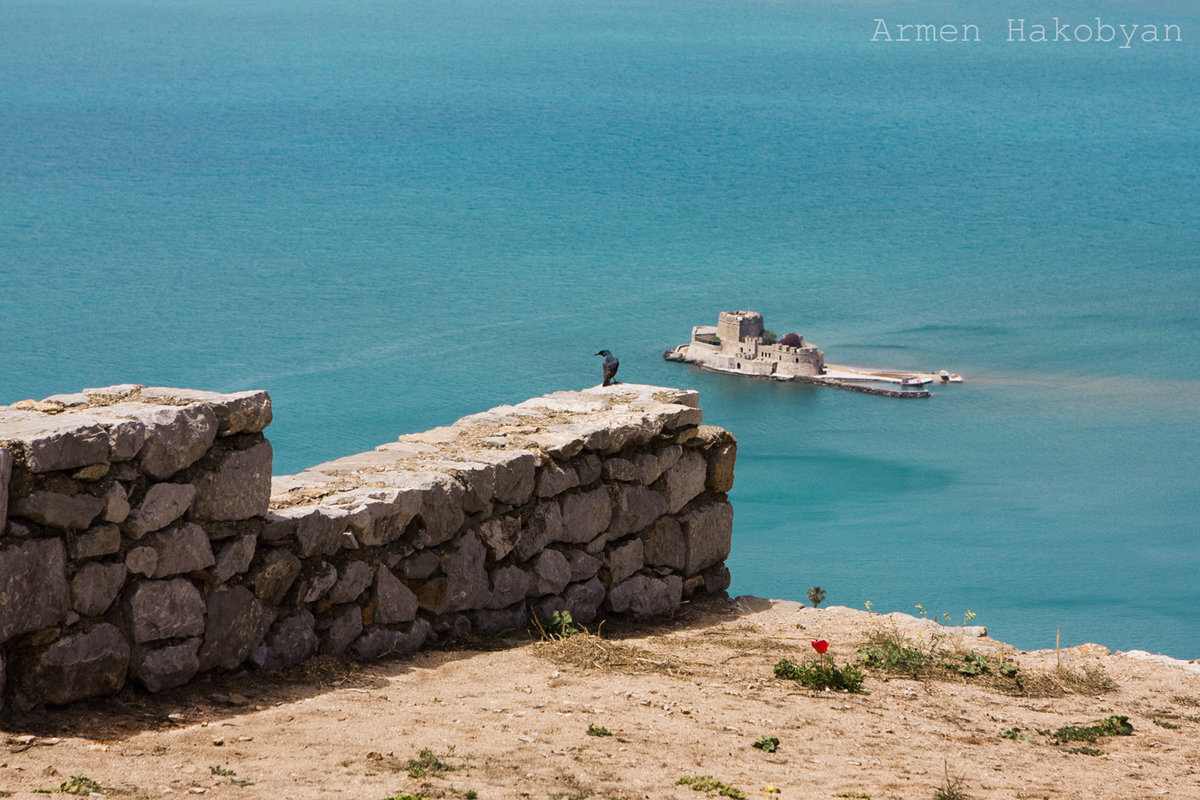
(682,699)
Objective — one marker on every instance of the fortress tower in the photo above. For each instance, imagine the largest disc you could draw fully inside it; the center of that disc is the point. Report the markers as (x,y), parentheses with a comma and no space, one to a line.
(737,326)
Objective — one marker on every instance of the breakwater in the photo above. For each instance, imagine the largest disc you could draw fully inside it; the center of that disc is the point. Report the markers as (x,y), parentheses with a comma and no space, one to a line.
(144,538)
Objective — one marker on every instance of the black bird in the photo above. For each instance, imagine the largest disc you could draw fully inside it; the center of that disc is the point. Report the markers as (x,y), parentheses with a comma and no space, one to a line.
(611,363)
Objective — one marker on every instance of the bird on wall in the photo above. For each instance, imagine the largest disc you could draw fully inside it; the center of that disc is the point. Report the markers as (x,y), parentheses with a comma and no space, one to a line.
(611,363)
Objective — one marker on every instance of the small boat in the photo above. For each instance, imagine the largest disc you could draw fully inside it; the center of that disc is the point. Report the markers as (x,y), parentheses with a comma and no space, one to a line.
(913,380)
(949,377)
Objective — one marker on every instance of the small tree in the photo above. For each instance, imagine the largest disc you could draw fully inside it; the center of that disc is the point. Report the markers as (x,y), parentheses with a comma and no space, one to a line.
(816,595)
(792,340)
(769,337)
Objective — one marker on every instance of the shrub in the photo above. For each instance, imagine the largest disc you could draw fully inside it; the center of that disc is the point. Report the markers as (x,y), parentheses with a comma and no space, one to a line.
(769,337)
(792,340)
(822,675)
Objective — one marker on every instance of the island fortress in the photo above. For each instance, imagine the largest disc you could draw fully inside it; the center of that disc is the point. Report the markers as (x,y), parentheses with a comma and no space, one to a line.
(737,344)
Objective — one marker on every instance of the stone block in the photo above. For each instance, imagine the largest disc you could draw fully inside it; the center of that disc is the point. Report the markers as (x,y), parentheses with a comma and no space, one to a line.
(624,560)
(490,622)
(73,512)
(667,456)
(275,575)
(47,444)
(394,602)
(354,580)
(68,400)
(176,437)
(100,540)
(554,479)
(92,473)
(583,600)
(664,544)
(644,596)
(620,469)
(107,395)
(240,412)
(499,535)
(95,587)
(549,574)
(235,626)
(437,498)
(720,451)
(314,586)
(634,508)
(583,565)
(647,468)
(163,668)
(116,504)
(142,561)
(290,641)
(589,467)
(543,527)
(233,484)
(716,579)
(181,549)
(708,531)
(6,462)
(318,528)
(380,642)
(585,514)
(163,504)
(508,586)
(125,438)
(338,628)
(683,482)
(234,557)
(163,610)
(75,667)
(33,587)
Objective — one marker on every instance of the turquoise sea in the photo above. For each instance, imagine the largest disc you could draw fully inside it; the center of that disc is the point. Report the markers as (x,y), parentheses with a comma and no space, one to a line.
(391,213)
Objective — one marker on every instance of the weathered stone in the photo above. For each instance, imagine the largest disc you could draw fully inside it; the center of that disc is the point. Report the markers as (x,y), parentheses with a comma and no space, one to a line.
(490,622)
(176,437)
(316,585)
(95,587)
(664,544)
(508,585)
(234,557)
(394,602)
(436,499)
(635,507)
(240,412)
(588,466)
(318,528)
(585,514)
(466,582)
(620,469)
(644,596)
(64,511)
(101,540)
(69,400)
(165,668)
(549,574)
(142,561)
(281,526)
(92,473)
(107,395)
(76,666)
(716,579)
(545,526)
(668,456)
(583,565)
(419,566)
(708,531)
(33,587)
(163,610)
(682,482)
(624,560)
(275,575)
(6,462)
(554,478)
(116,504)
(163,504)
(583,600)
(234,484)
(290,641)
(181,549)
(236,624)
(125,438)
(49,444)
(720,451)
(648,470)
(338,628)
(355,579)
(379,642)
(2,680)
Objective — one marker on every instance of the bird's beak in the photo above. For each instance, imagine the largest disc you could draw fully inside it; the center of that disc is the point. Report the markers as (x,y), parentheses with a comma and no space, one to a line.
(596,354)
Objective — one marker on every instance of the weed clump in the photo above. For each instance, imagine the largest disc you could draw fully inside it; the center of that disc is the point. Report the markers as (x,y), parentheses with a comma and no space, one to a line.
(821,675)
(428,764)
(768,744)
(79,784)
(710,785)
(1114,725)
(598,730)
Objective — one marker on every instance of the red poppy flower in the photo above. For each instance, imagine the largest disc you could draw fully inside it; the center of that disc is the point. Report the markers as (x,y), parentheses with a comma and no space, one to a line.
(820,646)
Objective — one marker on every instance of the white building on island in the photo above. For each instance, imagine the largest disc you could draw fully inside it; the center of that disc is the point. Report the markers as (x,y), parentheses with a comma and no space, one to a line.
(736,344)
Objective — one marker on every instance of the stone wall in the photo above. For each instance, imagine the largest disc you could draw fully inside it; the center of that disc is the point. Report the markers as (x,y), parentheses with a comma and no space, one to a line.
(144,539)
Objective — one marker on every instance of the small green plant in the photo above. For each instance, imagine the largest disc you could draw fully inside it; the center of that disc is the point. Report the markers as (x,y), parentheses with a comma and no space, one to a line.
(1162,723)
(598,730)
(710,785)
(1016,735)
(221,771)
(562,626)
(79,784)
(471,794)
(768,744)
(1083,750)
(891,651)
(1114,725)
(428,764)
(406,796)
(816,596)
(953,788)
(821,675)
(158,750)
(974,664)
(856,795)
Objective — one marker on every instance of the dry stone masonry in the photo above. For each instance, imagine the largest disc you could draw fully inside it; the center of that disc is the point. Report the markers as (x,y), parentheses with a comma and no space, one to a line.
(144,539)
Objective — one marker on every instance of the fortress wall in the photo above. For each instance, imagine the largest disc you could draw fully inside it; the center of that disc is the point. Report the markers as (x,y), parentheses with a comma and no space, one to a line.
(144,539)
